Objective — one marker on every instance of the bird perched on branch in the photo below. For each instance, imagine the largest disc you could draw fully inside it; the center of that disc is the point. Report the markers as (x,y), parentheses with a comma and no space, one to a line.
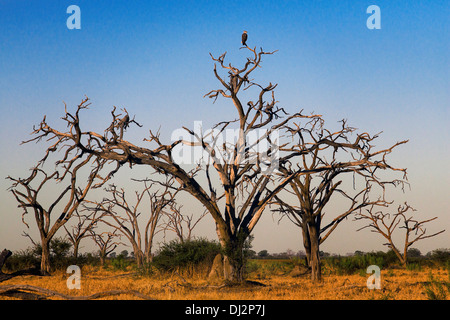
(244,38)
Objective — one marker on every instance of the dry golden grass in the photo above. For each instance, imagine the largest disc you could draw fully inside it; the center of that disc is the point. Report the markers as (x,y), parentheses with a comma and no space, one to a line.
(395,284)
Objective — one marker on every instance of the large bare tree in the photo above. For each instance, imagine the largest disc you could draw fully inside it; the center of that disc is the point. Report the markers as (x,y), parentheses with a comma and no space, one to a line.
(327,159)
(386,224)
(244,179)
(32,194)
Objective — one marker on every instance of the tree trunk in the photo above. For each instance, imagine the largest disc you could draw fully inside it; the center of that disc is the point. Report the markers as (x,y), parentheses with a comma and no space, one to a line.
(139,257)
(76,245)
(233,260)
(233,269)
(306,244)
(403,259)
(102,257)
(45,257)
(316,272)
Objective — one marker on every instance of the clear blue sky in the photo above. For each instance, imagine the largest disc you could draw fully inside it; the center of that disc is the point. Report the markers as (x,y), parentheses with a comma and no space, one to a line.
(152,57)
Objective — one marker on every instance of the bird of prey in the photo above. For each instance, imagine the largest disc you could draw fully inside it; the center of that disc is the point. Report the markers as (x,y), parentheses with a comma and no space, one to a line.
(244,38)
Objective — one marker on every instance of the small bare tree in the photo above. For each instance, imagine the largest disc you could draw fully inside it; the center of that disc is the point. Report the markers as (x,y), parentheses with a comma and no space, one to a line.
(181,224)
(29,193)
(80,230)
(118,213)
(105,242)
(386,224)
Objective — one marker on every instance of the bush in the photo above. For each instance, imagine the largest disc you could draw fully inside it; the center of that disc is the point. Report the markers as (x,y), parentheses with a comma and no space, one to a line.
(440,255)
(355,264)
(121,262)
(22,259)
(186,256)
(60,257)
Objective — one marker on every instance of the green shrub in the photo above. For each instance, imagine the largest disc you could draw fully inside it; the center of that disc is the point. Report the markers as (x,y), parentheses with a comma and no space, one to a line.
(22,259)
(186,255)
(120,262)
(354,264)
(60,257)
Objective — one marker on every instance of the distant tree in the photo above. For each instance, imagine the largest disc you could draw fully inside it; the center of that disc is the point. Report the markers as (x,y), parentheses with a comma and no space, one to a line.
(105,242)
(301,254)
(181,224)
(137,224)
(251,254)
(80,230)
(386,224)
(60,247)
(328,158)
(124,253)
(441,255)
(413,253)
(33,195)
(263,254)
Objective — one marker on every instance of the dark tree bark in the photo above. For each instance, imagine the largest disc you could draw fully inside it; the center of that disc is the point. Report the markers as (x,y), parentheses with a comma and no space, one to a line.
(3,256)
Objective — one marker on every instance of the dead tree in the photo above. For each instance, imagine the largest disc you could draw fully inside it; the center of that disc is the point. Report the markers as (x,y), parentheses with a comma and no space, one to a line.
(386,224)
(244,182)
(31,194)
(181,224)
(105,243)
(117,212)
(80,230)
(326,159)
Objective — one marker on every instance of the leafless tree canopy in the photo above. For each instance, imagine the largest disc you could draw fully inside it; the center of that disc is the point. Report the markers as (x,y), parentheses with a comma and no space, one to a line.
(181,224)
(127,218)
(235,222)
(105,241)
(323,158)
(80,229)
(241,179)
(386,224)
(71,193)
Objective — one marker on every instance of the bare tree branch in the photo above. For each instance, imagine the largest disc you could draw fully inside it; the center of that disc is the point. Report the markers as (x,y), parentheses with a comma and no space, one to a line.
(386,224)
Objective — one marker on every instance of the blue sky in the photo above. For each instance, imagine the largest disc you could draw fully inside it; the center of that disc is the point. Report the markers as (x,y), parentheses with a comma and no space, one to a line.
(152,57)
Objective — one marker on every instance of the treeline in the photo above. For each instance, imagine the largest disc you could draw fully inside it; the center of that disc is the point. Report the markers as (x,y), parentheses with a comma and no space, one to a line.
(441,254)
(195,257)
